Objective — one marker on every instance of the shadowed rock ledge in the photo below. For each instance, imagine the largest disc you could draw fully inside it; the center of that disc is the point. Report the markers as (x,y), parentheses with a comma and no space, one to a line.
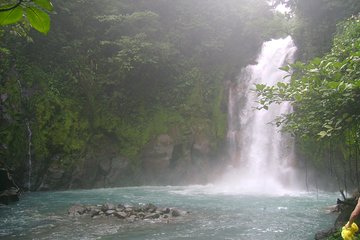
(9,191)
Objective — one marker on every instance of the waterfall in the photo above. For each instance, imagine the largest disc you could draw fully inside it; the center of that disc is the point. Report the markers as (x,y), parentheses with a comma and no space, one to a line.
(261,157)
(29,154)
(29,160)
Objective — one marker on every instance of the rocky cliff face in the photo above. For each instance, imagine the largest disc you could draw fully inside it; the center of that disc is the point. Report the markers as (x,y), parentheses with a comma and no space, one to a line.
(100,167)
(164,160)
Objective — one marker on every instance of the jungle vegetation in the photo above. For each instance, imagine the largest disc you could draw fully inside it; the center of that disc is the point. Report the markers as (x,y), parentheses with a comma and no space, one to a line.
(325,93)
(120,70)
(132,69)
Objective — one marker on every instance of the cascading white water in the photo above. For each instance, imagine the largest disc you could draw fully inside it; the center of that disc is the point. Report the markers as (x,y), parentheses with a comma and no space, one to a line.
(29,155)
(261,156)
(29,160)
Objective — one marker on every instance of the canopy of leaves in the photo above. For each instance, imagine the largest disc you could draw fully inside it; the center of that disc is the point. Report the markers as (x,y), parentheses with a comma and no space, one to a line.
(125,71)
(325,93)
(315,23)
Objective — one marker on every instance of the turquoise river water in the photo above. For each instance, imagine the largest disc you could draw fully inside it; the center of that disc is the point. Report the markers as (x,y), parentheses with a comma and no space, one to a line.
(213,215)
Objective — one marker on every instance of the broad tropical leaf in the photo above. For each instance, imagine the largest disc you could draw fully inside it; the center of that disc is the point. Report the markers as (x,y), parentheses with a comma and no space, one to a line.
(38,19)
(46,4)
(11,16)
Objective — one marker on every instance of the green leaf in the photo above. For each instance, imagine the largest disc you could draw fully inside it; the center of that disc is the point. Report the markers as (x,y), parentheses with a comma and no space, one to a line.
(314,70)
(46,4)
(285,68)
(11,16)
(38,19)
(298,97)
(281,85)
(322,134)
(328,65)
(328,127)
(333,85)
(260,87)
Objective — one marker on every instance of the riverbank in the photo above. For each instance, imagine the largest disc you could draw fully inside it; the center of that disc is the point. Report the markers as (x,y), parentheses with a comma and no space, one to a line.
(343,208)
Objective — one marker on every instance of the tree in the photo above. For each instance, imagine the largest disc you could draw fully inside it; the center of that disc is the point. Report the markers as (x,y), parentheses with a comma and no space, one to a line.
(316,23)
(325,92)
(325,95)
(123,72)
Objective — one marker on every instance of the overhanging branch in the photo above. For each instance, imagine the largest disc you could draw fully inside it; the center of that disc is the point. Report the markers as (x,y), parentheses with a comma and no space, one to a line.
(11,8)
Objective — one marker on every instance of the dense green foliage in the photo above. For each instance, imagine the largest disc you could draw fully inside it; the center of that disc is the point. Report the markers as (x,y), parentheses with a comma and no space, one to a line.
(325,94)
(315,23)
(126,71)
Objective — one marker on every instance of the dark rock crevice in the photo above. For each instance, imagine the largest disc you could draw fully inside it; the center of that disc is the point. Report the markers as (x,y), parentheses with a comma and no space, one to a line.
(9,191)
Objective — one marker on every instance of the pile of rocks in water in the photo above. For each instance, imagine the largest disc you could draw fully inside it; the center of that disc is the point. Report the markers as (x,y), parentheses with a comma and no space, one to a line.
(126,212)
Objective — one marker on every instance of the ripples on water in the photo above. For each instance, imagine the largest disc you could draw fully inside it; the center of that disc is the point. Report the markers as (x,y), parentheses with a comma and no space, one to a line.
(214,215)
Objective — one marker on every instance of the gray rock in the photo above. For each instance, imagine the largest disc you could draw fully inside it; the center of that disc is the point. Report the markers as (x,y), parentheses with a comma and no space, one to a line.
(165,210)
(120,207)
(105,166)
(94,212)
(156,157)
(111,206)
(109,212)
(121,215)
(119,171)
(322,235)
(54,178)
(129,213)
(108,206)
(152,216)
(159,212)
(175,213)
(150,208)
(132,218)
(76,210)
(9,191)
(141,215)
(129,209)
